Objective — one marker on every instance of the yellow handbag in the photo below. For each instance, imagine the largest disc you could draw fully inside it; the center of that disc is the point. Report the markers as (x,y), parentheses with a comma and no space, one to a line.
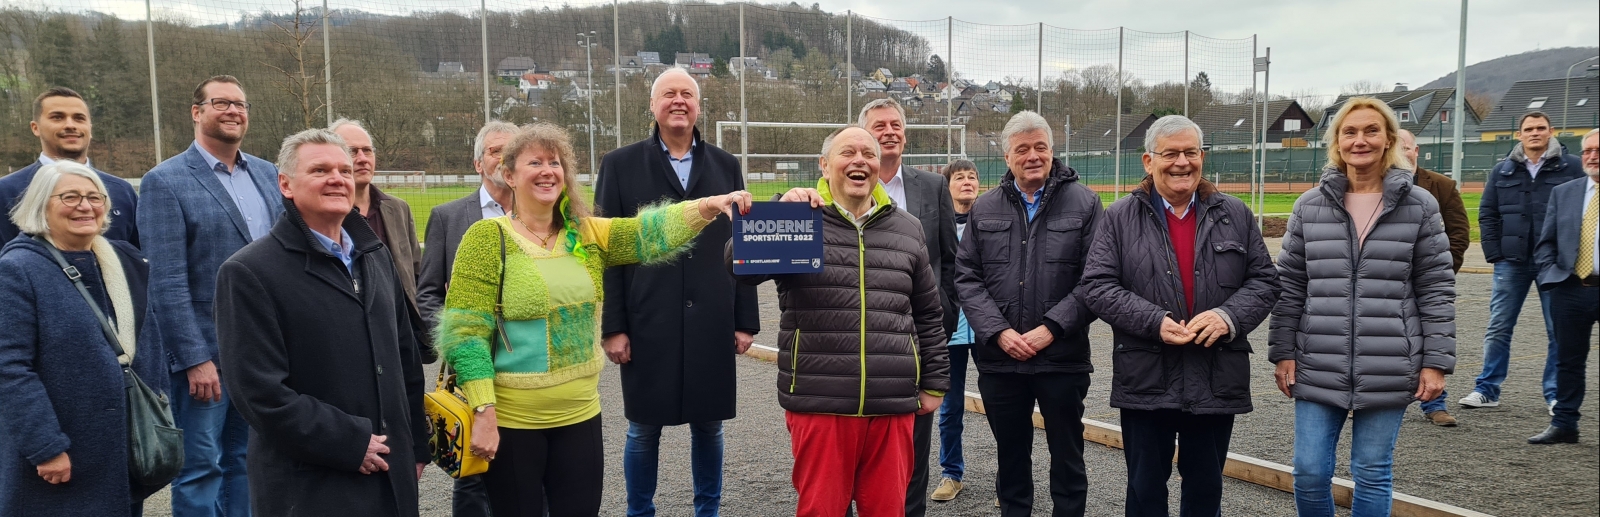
(450,429)
(450,417)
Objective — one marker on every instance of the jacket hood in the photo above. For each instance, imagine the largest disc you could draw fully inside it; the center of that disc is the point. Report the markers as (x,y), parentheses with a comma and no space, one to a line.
(1555,150)
(25,242)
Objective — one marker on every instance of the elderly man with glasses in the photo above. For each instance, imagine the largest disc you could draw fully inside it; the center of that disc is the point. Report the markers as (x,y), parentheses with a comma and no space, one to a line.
(1180,272)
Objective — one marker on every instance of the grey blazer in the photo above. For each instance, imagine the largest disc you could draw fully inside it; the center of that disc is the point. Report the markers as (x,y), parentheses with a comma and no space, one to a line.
(446,224)
(929,196)
(1557,252)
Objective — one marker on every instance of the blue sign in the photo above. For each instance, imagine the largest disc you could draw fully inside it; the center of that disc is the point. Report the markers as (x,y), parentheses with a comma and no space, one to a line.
(777,238)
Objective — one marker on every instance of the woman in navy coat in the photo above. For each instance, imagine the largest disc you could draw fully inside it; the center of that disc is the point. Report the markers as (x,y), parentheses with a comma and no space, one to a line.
(63,425)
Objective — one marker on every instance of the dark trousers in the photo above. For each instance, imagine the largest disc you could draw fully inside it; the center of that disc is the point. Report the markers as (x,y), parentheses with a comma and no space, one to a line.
(1009,399)
(1574,309)
(562,469)
(470,498)
(1202,447)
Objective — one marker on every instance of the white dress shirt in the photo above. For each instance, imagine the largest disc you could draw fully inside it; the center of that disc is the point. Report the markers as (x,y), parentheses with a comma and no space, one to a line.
(491,208)
(896,187)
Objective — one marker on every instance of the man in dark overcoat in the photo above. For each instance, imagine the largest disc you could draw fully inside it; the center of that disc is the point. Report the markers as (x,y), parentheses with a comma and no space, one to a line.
(674,328)
(320,353)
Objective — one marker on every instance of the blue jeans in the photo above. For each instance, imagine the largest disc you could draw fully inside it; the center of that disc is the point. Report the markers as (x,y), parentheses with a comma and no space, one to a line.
(1511,283)
(212,482)
(641,457)
(1316,443)
(1437,404)
(952,412)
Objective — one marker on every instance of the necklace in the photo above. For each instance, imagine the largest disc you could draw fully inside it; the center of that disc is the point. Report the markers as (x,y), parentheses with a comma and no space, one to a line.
(544,241)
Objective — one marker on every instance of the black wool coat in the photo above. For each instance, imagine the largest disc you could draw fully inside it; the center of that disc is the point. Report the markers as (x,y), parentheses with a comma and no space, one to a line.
(679,317)
(317,362)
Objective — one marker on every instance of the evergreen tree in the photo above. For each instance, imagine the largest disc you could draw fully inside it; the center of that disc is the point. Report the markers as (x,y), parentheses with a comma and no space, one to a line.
(935,71)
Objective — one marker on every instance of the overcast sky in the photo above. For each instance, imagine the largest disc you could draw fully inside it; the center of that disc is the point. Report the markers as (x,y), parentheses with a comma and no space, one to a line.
(1316,46)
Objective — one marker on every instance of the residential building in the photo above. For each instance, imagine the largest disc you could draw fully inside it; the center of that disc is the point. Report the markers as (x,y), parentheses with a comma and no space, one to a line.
(1426,113)
(1573,106)
(515,66)
(1228,126)
(882,75)
(451,67)
(1101,135)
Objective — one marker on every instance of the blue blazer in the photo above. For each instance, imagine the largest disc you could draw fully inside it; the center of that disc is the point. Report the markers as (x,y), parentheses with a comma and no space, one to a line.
(124,203)
(1558,251)
(189,227)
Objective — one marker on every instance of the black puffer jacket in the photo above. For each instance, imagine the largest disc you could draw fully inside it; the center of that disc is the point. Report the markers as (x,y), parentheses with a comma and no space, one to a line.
(1012,273)
(865,335)
(1511,214)
(1362,322)
(1131,282)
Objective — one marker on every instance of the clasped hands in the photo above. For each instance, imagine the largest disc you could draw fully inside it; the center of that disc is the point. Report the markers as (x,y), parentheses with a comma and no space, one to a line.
(1204,329)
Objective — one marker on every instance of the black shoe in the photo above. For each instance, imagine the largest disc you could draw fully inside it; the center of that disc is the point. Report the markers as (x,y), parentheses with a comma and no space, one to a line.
(1555,434)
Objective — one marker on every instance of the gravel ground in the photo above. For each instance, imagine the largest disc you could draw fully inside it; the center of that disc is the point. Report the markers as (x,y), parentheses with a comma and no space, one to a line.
(1484,465)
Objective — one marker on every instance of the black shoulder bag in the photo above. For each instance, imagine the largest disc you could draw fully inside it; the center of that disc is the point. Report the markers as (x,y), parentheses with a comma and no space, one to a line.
(155,444)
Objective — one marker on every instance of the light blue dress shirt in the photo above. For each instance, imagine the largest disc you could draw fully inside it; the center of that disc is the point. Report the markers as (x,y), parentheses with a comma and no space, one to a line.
(683,165)
(344,249)
(1032,207)
(250,202)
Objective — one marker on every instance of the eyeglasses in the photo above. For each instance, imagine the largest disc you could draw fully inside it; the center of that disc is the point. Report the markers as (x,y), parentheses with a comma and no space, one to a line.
(1590,151)
(1172,156)
(73,199)
(224,104)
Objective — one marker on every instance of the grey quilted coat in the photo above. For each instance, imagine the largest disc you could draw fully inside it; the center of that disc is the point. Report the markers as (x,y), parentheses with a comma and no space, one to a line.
(865,335)
(1361,322)
(1132,283)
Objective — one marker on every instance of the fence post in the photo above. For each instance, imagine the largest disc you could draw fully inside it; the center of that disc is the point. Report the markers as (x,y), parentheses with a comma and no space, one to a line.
(950,81)
(327,66)
(483,31)
(616,60)
(1040,84)
(1116,163)
(1266,109)
(155,103)
(850,65)
(1461,92)
(1186,79)
(744,119)
(1255,93)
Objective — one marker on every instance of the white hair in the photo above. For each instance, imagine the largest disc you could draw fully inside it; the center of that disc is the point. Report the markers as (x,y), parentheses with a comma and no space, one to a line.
(1168,127)
(31,215)
(1592,132)
(886,102)
(289,153)
(493,127)
(674,71)
(345,122)
(1025,121)
(827,143)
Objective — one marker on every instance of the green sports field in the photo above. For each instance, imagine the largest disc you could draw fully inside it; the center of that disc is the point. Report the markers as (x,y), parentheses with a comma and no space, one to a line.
(422,203)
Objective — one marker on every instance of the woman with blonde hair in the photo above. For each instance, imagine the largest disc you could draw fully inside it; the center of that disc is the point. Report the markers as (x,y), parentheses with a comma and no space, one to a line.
(520,324)
(1366,321)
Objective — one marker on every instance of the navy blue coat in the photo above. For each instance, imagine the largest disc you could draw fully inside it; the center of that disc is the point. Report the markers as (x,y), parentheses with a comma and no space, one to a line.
(1558,249)
(124,204)
(190,226)
(64,391)
(1512,211)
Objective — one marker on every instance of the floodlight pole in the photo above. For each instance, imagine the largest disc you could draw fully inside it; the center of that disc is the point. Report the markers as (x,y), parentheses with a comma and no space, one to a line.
(327,66)
(588,55)
(155,104)
(744,118)
(1461,98)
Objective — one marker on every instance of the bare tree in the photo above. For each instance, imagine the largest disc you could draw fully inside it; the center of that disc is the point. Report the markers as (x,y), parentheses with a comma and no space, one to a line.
(299,78)
(1363,87)
(1480,103)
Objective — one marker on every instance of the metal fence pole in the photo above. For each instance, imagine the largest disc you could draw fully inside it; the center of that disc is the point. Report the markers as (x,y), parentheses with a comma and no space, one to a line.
(1255,94)
(1040,84)
(483,31)
(1116,163)
(327,66)
(1066,143)
(155,103)
(1186,79)
(1266,109)
(744,119)
(1461,93)
(950,81)
(850,65)
(616,50)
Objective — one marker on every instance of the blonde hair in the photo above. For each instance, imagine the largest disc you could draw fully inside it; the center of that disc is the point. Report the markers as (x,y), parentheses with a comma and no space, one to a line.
(1393,155)
(31,213)
(551,138)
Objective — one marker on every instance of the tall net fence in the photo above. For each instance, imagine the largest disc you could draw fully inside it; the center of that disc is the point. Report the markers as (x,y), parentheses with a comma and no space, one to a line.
(423,76)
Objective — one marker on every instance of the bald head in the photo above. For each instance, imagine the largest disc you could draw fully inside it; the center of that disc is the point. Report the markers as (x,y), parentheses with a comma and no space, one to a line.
(1408,146)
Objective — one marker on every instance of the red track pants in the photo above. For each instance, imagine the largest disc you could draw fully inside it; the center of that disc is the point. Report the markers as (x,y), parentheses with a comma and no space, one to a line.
(840,458)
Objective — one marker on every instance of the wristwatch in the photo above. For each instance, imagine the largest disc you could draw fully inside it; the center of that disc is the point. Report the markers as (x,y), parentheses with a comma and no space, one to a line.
(481,409)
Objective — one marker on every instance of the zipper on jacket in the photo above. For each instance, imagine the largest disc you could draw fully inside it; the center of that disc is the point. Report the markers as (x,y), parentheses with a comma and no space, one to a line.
(861,283)
(794,361)
(916,355)
(1172,258)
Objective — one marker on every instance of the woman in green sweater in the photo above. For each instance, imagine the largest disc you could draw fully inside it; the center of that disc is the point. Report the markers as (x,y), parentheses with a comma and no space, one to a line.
(534,380)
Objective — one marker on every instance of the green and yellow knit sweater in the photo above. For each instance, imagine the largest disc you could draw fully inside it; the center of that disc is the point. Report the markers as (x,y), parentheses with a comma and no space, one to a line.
(551,309)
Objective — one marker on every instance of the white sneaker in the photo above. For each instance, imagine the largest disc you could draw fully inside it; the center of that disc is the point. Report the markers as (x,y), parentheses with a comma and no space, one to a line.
(1552,408)
(1477,400)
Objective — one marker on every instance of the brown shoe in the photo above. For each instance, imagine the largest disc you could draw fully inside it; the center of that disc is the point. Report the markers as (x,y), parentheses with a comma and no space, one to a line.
(947,491)
(1441,418)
